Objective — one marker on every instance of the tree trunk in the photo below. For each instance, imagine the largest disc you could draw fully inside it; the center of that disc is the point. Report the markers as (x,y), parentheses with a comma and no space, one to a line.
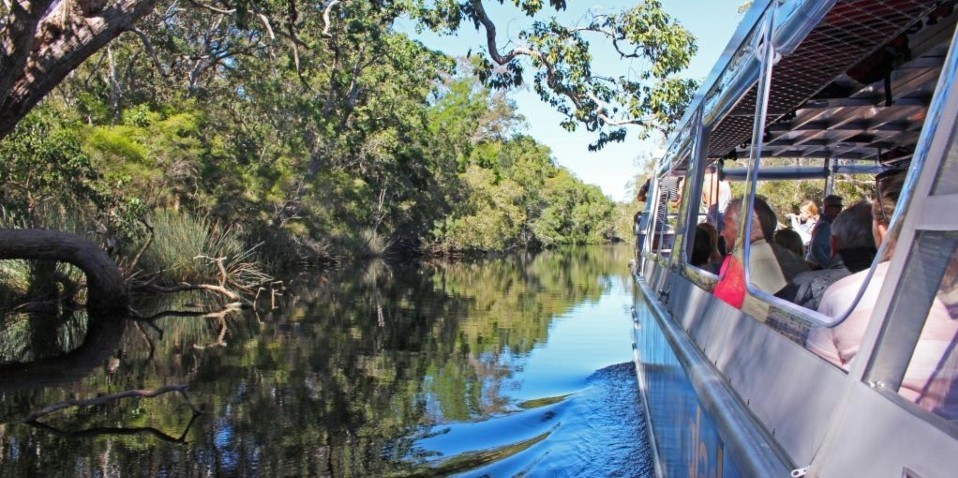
(106,291)
(42,41)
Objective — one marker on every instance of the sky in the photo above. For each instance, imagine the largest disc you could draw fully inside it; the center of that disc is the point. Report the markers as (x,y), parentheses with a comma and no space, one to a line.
(712,22)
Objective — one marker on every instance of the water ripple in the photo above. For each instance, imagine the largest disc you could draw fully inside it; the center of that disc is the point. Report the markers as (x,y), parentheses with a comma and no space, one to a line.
(596,431)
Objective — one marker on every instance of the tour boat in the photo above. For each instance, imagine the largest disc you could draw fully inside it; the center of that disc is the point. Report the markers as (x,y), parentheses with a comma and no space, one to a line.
(826,89)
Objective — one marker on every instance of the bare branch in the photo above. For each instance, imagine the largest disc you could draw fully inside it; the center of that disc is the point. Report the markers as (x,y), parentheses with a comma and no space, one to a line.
(219,338)
(230,307)
(149,50)
(269,28)
(219,265)
(491,37)
(520,51)
(326,11)
(188,287)
(113,431)
(145,246)
(212,8)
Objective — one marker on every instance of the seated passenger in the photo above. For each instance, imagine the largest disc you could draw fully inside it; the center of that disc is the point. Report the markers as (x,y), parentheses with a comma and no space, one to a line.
(818,250)
(804,222)
(705,254)
(853,250)
(840,344)
(764,271)
(790,264)
(791,240)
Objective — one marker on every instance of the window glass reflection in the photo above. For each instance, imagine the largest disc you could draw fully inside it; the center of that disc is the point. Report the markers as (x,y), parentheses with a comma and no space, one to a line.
(930,379)
(947,182)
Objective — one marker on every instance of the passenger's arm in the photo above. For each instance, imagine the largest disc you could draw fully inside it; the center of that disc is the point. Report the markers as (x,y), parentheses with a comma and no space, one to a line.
(821,340)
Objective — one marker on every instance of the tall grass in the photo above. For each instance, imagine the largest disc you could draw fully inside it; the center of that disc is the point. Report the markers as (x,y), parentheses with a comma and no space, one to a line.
(367,244)
(284,251)
(185,249)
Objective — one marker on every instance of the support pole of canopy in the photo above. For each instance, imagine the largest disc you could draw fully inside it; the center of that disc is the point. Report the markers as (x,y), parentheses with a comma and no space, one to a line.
(829,177)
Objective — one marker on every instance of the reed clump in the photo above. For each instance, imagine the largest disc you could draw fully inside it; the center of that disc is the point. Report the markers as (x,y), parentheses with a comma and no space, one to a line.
(185,249)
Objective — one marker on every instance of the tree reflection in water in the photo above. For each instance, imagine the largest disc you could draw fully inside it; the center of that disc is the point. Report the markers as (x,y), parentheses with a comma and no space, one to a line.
(337,382)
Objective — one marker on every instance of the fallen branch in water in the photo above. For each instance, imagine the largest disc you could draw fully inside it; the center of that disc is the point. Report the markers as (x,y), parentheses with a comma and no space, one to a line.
(219,338)
(103,399)
(183,287)
(231,307)
(236,281)
(219,315)
(274,291)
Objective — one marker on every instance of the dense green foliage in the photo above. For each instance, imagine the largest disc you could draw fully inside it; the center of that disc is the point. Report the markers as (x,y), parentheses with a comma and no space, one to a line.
(321,133)
(372,142)
(785,196)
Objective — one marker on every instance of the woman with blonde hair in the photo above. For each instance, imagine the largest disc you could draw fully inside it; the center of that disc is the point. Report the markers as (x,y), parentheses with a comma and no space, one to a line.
(805,220)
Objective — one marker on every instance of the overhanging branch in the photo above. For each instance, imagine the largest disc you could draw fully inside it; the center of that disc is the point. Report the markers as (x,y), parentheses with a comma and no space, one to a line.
(581,101)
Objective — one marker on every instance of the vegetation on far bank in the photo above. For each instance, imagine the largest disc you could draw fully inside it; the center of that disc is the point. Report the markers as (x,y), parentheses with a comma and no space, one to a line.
(214,146)
(164,186)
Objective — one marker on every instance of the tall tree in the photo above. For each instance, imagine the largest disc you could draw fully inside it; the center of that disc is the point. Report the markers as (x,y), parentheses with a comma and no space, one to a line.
(561,58)
(43,41)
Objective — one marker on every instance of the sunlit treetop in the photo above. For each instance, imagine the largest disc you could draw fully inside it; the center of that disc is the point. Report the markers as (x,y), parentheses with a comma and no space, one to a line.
(44,40)
(561,62)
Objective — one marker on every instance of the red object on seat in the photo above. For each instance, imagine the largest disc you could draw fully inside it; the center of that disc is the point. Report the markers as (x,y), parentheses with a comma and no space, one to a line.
(731,285)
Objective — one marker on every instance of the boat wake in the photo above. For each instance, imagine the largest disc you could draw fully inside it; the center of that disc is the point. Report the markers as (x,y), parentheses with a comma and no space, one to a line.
(596,431)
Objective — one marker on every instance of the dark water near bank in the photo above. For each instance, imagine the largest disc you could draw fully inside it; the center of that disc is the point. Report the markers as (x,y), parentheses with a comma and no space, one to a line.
(504,367)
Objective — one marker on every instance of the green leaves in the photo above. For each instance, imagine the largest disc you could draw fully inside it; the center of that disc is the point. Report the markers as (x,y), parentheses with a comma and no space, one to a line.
(512,194)
(651,97)
(42,161)
(319,120)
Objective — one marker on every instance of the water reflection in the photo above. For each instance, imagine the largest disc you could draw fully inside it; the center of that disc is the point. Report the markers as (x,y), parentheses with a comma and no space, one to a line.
(387,370)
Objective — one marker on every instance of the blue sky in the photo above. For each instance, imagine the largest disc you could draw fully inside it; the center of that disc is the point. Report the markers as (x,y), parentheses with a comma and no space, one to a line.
(711,21)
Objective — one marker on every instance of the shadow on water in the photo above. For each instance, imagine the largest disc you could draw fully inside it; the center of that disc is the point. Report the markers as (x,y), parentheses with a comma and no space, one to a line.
(498,367)
(61,364)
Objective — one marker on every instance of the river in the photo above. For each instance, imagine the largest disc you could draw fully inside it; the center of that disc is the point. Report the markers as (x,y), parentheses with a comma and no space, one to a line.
(517,366)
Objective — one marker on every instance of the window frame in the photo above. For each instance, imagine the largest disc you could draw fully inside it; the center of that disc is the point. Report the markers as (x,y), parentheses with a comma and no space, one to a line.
(893,333)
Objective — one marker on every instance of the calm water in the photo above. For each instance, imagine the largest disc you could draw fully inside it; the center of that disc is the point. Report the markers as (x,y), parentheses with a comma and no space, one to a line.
(502,367)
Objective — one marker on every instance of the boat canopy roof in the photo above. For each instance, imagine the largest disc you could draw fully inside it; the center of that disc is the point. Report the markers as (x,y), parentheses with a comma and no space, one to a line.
(853,80)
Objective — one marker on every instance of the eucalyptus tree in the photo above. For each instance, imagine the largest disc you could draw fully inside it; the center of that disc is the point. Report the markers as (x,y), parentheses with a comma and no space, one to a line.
(43,41)
(652,98)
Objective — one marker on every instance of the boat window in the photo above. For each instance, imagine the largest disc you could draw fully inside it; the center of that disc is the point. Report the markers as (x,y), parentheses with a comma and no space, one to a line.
(703,246)
(947,182)
(929,288)
(864,114)
(919,357)
(804,210)
(664,213)
(863,111)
